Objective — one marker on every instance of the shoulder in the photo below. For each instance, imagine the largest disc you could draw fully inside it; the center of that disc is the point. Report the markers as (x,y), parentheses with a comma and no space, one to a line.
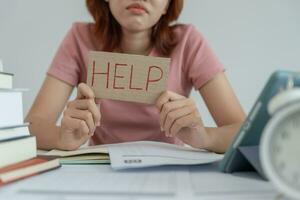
(187,32)
(188,39)
(83,35)
(82,29)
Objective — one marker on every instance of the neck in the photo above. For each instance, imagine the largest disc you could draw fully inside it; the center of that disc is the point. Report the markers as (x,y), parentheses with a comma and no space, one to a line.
(136,42)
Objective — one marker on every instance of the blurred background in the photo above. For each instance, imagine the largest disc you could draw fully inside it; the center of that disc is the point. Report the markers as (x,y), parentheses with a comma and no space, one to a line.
(251,38)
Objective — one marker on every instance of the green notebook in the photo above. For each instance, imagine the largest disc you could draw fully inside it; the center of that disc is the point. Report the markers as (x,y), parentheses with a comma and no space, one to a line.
(85,159)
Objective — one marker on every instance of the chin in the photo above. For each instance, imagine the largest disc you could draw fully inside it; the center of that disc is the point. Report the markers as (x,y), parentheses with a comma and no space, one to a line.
(136,28)
(136,25)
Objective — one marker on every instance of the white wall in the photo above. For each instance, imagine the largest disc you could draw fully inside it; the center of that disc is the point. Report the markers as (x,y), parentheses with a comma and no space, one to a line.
(251,37)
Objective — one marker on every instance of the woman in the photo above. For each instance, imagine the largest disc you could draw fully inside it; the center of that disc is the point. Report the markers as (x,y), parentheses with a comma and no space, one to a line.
(135,27)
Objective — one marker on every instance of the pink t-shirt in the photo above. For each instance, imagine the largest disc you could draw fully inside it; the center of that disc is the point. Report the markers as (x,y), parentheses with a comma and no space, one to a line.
(193,64)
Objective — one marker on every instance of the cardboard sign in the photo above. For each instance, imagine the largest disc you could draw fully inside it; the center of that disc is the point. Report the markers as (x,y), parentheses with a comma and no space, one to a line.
(127,77)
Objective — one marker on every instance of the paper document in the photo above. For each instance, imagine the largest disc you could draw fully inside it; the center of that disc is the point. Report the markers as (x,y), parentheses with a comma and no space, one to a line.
(100,180)
(206,180)
(147,154)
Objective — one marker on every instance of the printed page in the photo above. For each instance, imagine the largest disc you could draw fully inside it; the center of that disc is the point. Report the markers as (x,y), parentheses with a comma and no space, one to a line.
(147,154)
(206,180)
(100,180)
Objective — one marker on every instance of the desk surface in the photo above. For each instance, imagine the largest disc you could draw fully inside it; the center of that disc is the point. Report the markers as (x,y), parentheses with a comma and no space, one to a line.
(168,182)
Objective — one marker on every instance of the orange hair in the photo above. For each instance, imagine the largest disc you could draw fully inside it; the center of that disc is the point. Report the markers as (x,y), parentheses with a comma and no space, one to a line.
(108,30)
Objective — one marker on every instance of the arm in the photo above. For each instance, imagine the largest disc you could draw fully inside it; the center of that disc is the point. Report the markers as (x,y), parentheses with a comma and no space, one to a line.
(226,111)
(77,123)
(46,110)
(179,116)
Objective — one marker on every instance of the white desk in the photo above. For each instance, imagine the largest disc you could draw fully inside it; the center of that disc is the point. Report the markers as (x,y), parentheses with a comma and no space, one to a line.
(175,182)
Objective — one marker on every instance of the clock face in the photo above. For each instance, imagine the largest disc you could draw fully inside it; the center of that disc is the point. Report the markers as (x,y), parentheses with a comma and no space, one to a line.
(280,150)
(285,149)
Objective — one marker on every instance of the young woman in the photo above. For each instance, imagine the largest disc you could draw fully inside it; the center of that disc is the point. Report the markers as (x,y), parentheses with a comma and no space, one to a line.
(136,27)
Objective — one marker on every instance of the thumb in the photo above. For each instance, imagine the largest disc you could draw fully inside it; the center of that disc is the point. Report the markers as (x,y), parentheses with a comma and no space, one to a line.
(84,92)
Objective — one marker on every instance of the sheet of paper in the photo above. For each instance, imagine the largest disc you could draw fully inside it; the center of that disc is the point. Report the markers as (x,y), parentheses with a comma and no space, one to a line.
(127,77)
(205,180)
(99,180)
(257,196)
(147,154)
(165,182)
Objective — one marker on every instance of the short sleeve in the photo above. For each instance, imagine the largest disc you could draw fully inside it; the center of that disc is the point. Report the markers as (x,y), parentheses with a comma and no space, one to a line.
(65,65)
(201,62)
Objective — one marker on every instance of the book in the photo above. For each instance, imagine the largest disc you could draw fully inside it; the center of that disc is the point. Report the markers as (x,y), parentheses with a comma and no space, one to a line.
(150,154)
(100,149)
(85,159)
(6,80)
(27,168)
(11,107)
(97,154)
(16,150)
(10,132)
(136,154)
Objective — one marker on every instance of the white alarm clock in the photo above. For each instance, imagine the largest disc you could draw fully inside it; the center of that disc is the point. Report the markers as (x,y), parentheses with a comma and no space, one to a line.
(280,143)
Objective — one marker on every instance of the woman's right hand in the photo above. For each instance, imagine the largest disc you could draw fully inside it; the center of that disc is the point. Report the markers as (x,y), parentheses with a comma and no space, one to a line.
(80,119)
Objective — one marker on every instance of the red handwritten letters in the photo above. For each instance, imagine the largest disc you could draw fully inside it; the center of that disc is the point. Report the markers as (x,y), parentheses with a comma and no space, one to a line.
(127,77)
(129,72)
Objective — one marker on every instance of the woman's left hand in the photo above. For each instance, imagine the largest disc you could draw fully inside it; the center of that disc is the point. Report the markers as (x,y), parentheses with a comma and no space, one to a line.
(180,117)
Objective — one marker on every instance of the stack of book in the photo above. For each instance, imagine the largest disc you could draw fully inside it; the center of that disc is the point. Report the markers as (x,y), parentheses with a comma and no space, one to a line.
(18,149)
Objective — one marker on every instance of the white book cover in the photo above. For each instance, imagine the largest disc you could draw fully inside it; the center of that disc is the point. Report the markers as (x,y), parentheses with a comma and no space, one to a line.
(11,108)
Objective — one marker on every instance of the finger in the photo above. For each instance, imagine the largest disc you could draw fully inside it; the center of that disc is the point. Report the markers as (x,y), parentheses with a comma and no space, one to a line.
(84,91)
(84,129)
(82,115)
(185,121)
(84,138)
(87,104)
(74,124)
(171,106)
(176,114)
(81,135)
(166,97)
